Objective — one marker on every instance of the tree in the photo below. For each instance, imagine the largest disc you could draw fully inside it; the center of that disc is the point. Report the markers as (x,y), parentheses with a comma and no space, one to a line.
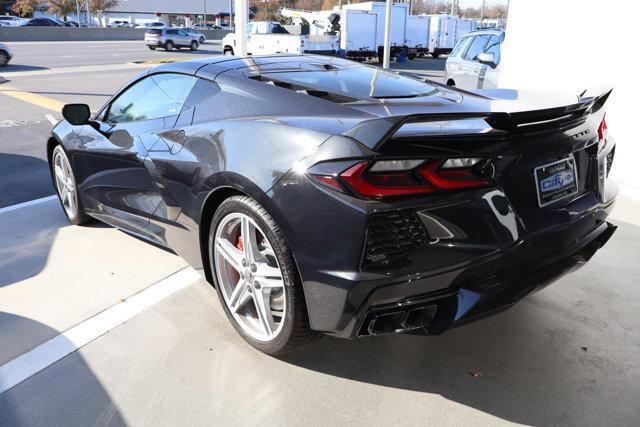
(25,8)
(62,8)
(101,6)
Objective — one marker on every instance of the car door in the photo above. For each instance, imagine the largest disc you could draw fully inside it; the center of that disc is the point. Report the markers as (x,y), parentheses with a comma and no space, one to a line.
(184,37)
(453,66)
(470,73)
(490,74)
(109,156)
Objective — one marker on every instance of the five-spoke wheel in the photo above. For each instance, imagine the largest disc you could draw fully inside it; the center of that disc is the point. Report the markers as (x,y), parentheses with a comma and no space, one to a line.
(249,276)
(256,278)
(65,185)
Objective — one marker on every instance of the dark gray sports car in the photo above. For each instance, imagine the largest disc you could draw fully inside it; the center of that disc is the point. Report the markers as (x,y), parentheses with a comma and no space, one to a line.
(321,195)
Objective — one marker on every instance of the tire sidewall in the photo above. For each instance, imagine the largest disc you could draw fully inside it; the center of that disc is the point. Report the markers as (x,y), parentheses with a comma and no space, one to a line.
(289,275)
(80,217)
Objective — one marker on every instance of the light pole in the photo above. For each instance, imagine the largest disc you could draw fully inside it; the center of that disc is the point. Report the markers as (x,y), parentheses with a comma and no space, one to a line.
(78,11)
(204,17)
(482,13)
(386,55)
(241,27)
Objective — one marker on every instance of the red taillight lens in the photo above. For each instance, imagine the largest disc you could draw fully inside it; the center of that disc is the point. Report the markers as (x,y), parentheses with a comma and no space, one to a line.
(602,134)
(382,184)
(450,179)
(401,178)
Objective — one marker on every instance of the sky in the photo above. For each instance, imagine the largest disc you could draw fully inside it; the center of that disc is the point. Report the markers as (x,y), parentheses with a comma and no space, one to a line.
(478,3)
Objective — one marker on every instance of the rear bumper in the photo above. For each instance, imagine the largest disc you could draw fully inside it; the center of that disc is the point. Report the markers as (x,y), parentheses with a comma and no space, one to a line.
(435,303)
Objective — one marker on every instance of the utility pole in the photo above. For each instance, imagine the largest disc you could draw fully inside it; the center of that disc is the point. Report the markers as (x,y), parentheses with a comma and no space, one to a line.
(482,13)
(88,17)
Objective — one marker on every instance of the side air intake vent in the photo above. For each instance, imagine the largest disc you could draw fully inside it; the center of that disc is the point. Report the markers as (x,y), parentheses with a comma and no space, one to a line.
(391,235)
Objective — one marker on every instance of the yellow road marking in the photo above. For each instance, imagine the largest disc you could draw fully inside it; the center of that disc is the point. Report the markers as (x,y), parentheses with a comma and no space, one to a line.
(32,98)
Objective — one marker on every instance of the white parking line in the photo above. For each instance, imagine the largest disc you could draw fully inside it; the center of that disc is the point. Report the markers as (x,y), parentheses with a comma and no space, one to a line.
(51,119)
(23,367)
(25,204)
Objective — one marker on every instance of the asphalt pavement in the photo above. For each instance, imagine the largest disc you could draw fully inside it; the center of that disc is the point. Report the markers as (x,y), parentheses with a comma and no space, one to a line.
(32,56)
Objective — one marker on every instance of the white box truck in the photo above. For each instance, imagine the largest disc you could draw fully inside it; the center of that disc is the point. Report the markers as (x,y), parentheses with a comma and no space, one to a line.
(445,30)
(399,13)
(416,36)
(358,33)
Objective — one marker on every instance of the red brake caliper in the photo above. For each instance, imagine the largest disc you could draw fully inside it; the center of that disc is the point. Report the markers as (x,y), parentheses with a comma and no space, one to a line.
(240,244)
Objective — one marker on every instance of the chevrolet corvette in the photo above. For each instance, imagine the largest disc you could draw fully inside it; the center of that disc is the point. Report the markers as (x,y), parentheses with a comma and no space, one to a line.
(323,196)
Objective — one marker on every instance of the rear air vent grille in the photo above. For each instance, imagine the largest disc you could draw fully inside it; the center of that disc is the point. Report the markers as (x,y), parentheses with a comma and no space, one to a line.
(391,235)
(329,96)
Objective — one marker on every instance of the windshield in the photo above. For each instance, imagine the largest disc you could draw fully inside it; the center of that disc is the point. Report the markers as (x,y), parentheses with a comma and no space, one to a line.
(356,82)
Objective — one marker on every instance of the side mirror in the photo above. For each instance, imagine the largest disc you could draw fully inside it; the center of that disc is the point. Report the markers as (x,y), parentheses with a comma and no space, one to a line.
(487,58)
(76,114)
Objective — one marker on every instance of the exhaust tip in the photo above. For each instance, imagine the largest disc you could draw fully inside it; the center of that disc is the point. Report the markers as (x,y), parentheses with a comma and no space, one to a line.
(402,320)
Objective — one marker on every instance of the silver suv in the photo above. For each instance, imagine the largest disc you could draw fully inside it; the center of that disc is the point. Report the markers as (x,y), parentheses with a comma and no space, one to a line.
(474,62)
(168,38)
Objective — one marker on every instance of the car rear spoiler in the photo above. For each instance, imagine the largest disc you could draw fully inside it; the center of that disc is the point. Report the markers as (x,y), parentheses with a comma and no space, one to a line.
(374,133)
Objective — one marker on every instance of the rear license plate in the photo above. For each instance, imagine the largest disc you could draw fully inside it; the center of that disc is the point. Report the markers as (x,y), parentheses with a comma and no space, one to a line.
(555,181)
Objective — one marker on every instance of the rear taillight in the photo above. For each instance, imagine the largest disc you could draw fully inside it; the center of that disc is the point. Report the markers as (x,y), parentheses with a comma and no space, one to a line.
(391,178)
(602,134)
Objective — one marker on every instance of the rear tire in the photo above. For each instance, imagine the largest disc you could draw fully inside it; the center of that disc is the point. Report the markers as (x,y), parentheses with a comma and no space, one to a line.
(168,46)
(285,302)
(194,45)
(435,55)
(152,47)
(201,40)
(228,52)
(64,182)
(4,58)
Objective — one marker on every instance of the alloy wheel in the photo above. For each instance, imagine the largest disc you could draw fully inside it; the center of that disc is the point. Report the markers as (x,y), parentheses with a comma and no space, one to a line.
(65,182)
(249,276)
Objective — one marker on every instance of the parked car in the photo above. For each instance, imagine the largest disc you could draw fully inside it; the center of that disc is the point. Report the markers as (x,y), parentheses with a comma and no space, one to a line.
(474,62)
(321,195)
(11,21)
(120,24)
(149,25)
(207,27)
(5,55)
(195,33)
(169,38)
(41,22)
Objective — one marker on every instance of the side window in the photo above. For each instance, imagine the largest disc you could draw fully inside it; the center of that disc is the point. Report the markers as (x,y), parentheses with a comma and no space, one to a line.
(203,98)
(494,47)
(476,48)
(460,47)
(156,96)
(250,28)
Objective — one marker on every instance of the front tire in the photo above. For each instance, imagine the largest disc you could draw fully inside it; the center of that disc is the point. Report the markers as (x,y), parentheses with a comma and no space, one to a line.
(228,52)
(194,45)
(152,47)
(65,184)
(256,278)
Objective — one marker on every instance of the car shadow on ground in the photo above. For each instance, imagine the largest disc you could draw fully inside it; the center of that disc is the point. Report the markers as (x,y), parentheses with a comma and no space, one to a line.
(67,401)
(23,178)
(18,67)
(26,238)
(555,357)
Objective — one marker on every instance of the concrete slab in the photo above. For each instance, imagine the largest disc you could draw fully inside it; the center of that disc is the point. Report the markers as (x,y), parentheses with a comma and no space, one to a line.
(567,355)
(56,275)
